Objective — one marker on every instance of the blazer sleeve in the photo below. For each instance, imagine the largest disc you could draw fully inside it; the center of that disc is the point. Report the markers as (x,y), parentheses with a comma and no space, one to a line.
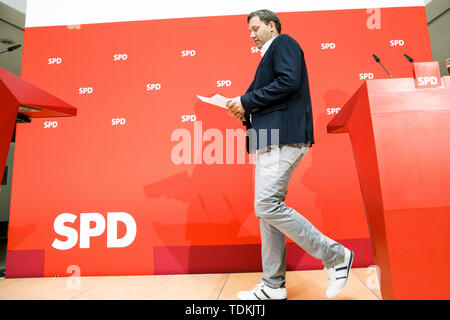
(252,85)
(287,58)
(247,122)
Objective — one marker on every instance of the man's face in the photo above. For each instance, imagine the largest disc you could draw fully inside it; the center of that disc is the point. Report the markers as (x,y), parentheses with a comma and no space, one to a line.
(261,32)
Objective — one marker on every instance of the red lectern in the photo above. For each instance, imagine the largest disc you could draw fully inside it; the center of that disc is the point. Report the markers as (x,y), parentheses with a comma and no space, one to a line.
(400,136)
(17,95)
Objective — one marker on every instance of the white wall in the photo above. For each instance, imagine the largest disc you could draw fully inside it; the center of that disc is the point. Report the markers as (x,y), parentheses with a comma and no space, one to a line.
(42,13)
(22,4)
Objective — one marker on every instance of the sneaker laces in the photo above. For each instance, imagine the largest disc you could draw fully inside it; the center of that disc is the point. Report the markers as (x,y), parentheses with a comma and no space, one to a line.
(331,273)
(258,287)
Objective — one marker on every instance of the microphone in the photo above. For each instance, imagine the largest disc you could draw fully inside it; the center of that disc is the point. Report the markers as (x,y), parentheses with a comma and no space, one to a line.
(378,61)
(22,118)
(409,58)
(12,48)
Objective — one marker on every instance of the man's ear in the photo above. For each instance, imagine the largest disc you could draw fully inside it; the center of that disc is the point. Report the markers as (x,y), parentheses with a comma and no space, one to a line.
(272,25)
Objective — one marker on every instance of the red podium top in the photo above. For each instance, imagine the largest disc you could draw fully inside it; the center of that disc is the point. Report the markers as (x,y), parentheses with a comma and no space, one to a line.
(35,102)
(18,95)
(388,95)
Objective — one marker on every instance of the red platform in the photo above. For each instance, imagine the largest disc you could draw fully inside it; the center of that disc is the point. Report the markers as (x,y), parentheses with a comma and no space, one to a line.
(400,136)
(18,95)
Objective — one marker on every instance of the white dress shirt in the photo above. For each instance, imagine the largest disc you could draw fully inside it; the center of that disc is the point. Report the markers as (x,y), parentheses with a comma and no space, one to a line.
(266,46)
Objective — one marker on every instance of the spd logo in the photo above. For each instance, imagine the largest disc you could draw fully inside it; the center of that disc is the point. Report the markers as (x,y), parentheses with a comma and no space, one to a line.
(223,83)
(333,111)
(366,76)
(54,60)
(85,90)
(93,225)
(188,117)
(328,46)
(427,75)
(50,124)
(426,81)
(120,57)
(118,121)
(153,86)
(397,43)
(188,53)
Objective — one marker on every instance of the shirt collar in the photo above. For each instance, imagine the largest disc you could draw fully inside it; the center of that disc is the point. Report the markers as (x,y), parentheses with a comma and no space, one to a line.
(266,46)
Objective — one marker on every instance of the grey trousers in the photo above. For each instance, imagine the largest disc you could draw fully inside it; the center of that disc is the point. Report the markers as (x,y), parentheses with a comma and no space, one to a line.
(274,167)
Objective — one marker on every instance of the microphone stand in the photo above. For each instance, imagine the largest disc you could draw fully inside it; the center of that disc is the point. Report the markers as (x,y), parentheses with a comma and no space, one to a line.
(378,61)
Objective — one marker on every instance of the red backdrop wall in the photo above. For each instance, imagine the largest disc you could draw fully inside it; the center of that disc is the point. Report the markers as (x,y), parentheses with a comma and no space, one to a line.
(190,218)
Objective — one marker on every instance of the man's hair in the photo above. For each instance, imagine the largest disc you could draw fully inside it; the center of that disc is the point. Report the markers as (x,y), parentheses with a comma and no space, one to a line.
(266,16)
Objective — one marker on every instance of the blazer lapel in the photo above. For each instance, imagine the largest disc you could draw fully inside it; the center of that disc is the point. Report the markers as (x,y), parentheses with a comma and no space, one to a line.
(266,56)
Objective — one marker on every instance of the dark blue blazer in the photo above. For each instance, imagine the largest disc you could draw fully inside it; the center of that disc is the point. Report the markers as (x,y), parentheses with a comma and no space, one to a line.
(279,97)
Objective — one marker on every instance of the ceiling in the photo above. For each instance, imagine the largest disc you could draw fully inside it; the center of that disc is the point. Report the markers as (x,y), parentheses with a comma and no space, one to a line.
(19,5)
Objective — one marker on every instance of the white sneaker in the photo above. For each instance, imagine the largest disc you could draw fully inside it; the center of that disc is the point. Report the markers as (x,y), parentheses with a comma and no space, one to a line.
(263,292)
(338,275)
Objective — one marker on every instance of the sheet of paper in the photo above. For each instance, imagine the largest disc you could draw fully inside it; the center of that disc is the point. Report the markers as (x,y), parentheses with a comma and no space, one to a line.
(216,100)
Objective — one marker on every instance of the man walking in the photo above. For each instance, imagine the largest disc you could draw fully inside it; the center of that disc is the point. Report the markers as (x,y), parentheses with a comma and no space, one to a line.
(278,103)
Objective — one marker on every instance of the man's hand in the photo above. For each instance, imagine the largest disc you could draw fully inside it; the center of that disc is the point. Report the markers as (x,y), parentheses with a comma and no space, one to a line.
(234,106)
